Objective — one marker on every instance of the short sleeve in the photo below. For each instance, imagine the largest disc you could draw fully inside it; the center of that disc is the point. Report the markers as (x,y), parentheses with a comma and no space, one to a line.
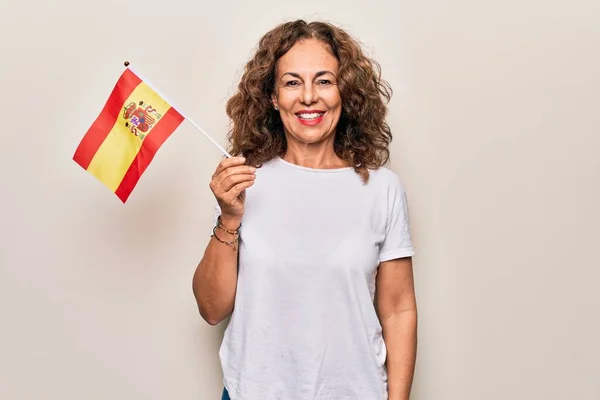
(397,242)
(216,213)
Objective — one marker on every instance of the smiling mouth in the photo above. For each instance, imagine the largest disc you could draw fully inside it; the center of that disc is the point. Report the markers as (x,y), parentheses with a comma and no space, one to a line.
(310,116)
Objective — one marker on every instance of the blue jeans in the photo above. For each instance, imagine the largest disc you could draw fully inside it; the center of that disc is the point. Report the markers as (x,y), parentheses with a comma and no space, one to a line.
(225,395)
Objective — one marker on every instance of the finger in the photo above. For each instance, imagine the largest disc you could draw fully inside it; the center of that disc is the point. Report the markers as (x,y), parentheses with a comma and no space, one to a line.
(241,169)
(229,182)
(229,162)
(221,187)
(237,189)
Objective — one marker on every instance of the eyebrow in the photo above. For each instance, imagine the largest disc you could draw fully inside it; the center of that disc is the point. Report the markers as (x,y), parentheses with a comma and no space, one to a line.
(318,74)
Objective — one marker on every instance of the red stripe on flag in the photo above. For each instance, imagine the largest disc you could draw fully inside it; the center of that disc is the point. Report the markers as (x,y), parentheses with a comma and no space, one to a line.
(157,136)
(103,124)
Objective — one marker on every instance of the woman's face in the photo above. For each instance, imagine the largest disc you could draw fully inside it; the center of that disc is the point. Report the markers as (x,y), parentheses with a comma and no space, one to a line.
(307,94)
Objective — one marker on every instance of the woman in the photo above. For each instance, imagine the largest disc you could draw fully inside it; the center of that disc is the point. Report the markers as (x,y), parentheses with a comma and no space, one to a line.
(311,241)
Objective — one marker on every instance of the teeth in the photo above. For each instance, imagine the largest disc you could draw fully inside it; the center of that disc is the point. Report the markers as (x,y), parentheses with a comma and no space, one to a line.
(310,115)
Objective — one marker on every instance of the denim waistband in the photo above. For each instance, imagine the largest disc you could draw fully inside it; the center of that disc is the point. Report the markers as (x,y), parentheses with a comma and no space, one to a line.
(225,395)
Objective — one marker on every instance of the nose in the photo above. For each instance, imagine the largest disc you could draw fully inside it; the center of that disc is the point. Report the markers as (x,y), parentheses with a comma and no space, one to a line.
(309,94)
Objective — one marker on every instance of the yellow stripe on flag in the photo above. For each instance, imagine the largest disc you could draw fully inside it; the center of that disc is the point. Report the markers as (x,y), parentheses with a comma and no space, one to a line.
(119,149)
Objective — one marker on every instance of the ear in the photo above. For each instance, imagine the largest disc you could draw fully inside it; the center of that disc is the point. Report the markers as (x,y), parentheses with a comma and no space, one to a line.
(274,101)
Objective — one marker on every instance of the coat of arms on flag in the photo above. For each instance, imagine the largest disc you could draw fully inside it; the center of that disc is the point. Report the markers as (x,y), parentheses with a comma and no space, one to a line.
(140,118)
(124,138)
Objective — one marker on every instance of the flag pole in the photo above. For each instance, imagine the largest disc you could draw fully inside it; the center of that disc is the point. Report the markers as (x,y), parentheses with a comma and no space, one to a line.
(195,125)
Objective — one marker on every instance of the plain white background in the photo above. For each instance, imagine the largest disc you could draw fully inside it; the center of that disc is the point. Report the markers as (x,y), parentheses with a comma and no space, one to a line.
(497,133)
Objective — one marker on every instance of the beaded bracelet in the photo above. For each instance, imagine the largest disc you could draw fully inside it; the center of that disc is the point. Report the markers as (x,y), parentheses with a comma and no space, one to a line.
(220,225)
(231,244)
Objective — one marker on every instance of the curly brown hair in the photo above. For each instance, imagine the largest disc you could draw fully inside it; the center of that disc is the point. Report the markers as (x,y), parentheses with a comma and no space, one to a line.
(362,135)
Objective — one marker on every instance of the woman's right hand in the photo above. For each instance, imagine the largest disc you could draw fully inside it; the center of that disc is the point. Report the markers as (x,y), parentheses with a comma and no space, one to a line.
(229,184)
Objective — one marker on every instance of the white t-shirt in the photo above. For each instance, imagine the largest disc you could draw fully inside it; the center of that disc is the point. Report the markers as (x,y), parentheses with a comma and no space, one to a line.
(304,326)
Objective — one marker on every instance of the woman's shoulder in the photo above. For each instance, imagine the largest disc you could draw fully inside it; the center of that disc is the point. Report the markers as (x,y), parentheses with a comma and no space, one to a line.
(386,177)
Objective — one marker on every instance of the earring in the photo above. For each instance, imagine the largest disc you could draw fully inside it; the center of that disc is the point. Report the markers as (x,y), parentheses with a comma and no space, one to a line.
(276,108)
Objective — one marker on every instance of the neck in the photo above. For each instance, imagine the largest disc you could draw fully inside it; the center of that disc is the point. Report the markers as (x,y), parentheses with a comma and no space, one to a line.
(321,158)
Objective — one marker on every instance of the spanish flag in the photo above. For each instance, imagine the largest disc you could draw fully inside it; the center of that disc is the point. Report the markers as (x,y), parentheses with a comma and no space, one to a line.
(124,138)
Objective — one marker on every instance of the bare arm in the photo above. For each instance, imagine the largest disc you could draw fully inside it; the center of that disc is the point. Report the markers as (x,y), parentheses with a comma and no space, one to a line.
(215,280)
(397,310)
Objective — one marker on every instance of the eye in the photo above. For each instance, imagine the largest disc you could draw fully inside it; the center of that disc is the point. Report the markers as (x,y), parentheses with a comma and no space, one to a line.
(324,82)
(292,83)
